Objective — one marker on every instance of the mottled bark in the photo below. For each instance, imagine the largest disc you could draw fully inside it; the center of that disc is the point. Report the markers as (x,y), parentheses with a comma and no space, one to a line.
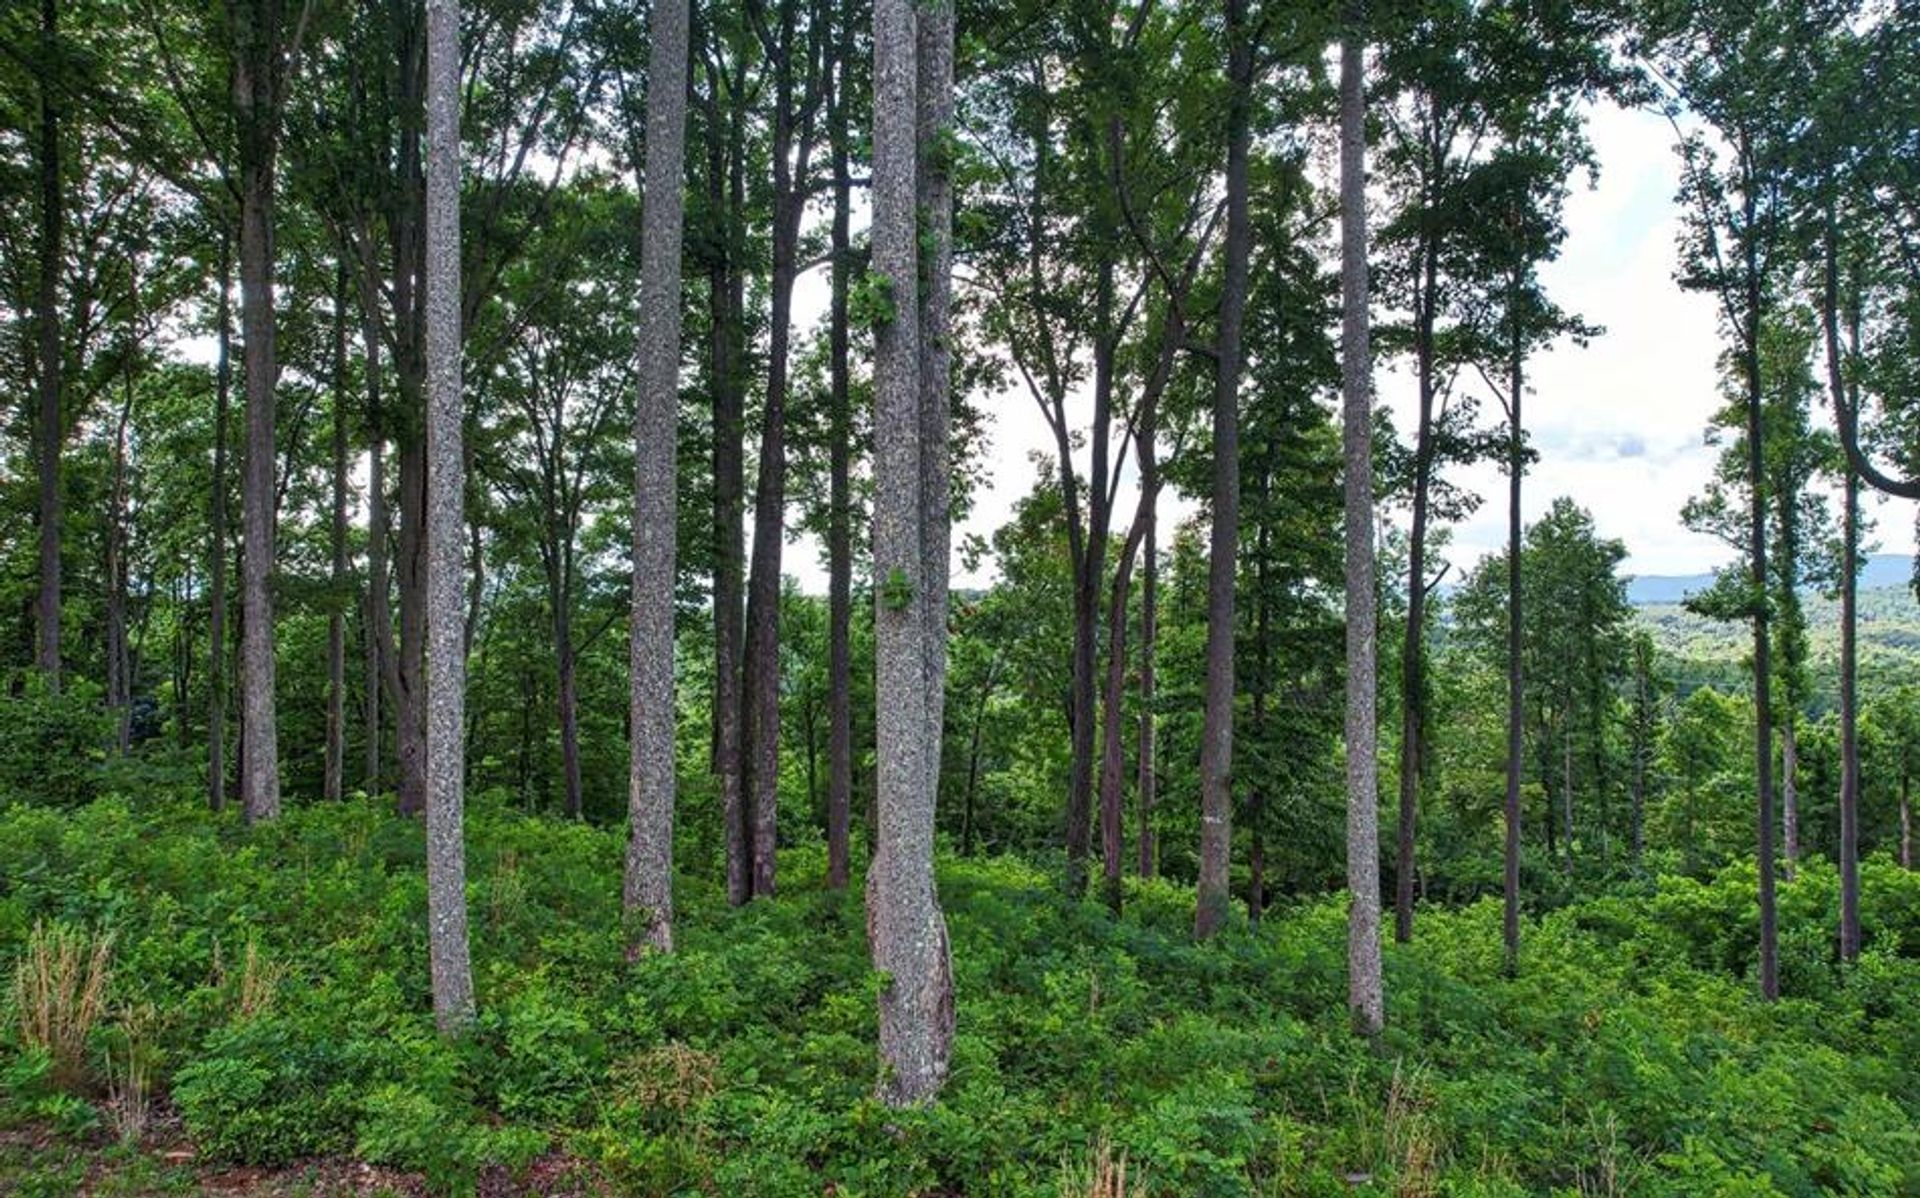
(648,887)
(905,928)
(49,422)
(257,48)
(933,189)
(1216,737)
(1364,996)
(446,550)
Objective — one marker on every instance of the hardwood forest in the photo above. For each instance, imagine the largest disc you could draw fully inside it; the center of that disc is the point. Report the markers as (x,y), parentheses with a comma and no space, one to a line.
(514,677)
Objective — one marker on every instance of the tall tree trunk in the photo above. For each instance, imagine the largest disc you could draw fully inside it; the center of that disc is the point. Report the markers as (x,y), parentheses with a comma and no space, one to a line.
(1789,794)
(1762,639)
(49,425)
(410,368)
(255,63)
(1089,566)
(933,192)
(762,674)
(1516,693)
(446,551)
(1414,642)
(839,485)
(217,581)
(119,654)
(567,692)
(336,751)
(1146,778)
(1262,688)
(1113,785)
(726,183)
(905,928)
(1849,609)
(1365,1003)
(1216,737)
(383,675)
(652,782)
(973,756)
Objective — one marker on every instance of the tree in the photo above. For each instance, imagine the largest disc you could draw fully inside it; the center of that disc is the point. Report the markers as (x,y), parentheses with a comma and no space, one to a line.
(49,423)
(649,876)
(912,81)
(1365,1000)
(265,50)
(1216,744)
(1738,68)
(446,567)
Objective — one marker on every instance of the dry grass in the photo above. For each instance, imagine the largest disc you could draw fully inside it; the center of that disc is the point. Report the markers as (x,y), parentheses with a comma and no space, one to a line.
(672,1078)
(1102,1174)
(1398,1138)
(59,993)
(129,1107)
(255,985)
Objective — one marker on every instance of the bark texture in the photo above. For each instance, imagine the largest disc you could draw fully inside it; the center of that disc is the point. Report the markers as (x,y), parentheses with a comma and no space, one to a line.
(49,423)
(1216,737)
(446,559)
(905,928)
(1365,1002)
(256,69)
(648,891)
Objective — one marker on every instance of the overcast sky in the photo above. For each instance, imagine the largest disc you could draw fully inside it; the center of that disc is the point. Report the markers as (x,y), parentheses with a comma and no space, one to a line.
(1618,424)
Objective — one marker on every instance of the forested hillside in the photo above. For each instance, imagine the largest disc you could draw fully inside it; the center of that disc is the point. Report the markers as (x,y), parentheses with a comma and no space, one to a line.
(1706,652)
(534,658)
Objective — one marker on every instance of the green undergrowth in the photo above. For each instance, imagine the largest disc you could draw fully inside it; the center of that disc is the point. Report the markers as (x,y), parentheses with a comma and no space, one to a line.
(271,986)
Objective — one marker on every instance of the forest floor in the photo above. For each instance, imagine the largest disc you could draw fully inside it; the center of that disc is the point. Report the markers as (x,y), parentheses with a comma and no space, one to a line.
(271,983)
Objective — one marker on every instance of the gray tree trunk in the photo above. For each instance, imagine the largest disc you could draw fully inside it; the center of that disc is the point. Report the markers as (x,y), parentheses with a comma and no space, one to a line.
(217,581)
(1849,613)
(336,750)
(840,484)
(648,888)
(446,558)
(257,47)
(933,186)
(1365,1002)
(1516,682)
(725,298)
(383,675)
(1216,737)
(1147,779)
(1789,794)
(49,425)
(905,928)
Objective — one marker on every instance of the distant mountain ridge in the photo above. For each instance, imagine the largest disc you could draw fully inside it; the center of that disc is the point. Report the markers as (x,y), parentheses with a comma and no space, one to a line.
(1881,570)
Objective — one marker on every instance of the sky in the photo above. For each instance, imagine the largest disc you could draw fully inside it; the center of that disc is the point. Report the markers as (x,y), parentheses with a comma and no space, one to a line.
(1619,424)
